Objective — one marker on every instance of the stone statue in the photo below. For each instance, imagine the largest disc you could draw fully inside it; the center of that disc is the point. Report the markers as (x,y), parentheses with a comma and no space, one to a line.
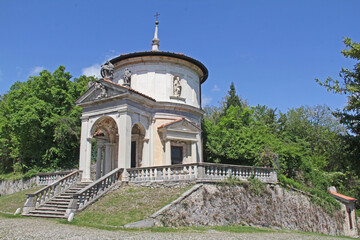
(127,77)
(177,86)
(103,91)
(107,70)
(90,83)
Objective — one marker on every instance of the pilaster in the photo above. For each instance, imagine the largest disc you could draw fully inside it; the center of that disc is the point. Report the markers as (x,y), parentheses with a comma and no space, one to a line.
(85,150)
(193,152)
(167,152)
(124,124)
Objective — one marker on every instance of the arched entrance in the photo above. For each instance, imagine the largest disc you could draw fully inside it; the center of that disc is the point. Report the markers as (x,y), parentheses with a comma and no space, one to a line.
(137,145)
(105,132)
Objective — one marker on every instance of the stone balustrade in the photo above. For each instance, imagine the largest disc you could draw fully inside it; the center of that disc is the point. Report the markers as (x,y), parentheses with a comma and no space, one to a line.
(35,199)
(200,172)
(49,178)
(197,172)
(81,199)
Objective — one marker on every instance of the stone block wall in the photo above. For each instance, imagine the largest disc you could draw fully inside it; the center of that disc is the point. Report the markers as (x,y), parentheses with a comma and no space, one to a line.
(12,186)
(225,205)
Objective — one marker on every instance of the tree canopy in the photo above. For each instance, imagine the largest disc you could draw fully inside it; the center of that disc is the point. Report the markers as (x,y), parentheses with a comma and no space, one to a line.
(307,144)
(350,86)
(40,123)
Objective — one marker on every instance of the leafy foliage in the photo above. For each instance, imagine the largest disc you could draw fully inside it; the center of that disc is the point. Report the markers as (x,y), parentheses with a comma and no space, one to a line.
(350,86)
(39,123)
(307,144)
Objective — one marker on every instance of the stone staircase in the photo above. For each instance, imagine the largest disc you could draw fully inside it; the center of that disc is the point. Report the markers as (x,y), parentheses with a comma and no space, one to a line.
(56,207)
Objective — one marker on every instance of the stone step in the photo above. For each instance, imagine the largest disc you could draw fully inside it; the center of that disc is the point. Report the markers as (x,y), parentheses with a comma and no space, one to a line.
(63,196)
(77,187)
(68,194)
(44,215)
(62,206)
(57,206)
(51,209)
(59,203)
(38,211)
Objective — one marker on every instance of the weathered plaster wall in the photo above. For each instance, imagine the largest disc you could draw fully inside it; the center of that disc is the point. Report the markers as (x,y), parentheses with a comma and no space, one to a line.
(159,158)
(12,186)
(154,77)
(225,205)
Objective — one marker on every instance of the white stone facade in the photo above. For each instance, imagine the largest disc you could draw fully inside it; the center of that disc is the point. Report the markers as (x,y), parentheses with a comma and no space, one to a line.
(155,121)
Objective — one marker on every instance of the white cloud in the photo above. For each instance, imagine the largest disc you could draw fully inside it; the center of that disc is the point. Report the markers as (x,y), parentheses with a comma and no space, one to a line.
(215,88)
(93,70)
(36,70)
(205,100)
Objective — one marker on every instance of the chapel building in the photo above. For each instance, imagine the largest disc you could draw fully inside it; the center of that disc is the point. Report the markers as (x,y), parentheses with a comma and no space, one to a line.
(145,111)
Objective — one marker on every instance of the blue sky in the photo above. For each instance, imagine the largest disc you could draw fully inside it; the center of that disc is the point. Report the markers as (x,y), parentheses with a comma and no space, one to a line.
(271,50)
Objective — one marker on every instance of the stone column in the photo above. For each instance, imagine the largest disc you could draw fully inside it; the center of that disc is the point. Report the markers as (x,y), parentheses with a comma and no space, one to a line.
(98,162)
(103,160)
(193,152)
(124,156)
(85,150)
(112,151)
(167,152)
(107,158)
(145,154)
(151,142)
(200,147)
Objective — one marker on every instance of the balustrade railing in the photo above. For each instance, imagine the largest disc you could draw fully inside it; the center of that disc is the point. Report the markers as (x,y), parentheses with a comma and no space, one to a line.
(223,171)
(35,199)
(163,173)
(201,172)
(49,178)
(81,198)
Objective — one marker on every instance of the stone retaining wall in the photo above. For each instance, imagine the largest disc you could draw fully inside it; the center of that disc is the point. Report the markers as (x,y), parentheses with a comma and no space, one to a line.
(12,186)
(211,204)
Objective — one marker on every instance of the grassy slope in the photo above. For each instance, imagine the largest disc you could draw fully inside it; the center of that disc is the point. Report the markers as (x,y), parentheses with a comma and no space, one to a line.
(139,203)
(127,204)
(10,202)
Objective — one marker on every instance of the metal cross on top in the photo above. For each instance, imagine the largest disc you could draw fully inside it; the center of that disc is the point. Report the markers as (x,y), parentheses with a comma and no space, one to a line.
(157,15)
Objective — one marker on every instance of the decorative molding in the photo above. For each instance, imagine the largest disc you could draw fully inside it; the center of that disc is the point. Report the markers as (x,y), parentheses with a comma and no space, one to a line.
(178,98)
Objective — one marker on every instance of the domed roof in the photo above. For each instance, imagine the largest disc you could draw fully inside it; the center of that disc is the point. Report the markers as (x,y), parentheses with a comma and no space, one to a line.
(166,54)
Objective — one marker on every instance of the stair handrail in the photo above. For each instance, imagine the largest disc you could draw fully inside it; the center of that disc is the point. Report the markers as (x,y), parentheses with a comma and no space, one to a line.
(93,190)
(51,190)
(49,177)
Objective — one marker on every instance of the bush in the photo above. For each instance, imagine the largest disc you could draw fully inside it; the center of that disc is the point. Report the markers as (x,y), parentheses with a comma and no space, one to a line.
(319,197)
(233,181)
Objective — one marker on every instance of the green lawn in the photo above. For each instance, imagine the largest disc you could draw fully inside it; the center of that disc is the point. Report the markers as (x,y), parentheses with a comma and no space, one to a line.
(127,204)
(10,202)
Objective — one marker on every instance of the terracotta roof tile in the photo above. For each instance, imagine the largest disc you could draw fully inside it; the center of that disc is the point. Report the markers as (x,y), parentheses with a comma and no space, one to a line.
(169,123)
(178,120)
(342,196)
(99,133)
(129,89)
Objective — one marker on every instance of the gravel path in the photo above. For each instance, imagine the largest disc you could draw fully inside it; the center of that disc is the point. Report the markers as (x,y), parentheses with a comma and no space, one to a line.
(33,228)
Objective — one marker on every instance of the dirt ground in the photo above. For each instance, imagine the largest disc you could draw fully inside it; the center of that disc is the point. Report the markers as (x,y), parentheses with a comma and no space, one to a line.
(37,228)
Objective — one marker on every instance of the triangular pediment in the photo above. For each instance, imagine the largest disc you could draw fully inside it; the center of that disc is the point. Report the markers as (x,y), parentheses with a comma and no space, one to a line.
(181,125)
(179,130)
(100,90)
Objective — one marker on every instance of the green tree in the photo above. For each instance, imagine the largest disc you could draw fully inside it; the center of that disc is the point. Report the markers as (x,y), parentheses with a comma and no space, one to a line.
(349,86)
(232,99)
(40,124)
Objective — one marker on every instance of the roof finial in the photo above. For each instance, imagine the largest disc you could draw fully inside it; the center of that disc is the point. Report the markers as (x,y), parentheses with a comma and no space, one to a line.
(155,41)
